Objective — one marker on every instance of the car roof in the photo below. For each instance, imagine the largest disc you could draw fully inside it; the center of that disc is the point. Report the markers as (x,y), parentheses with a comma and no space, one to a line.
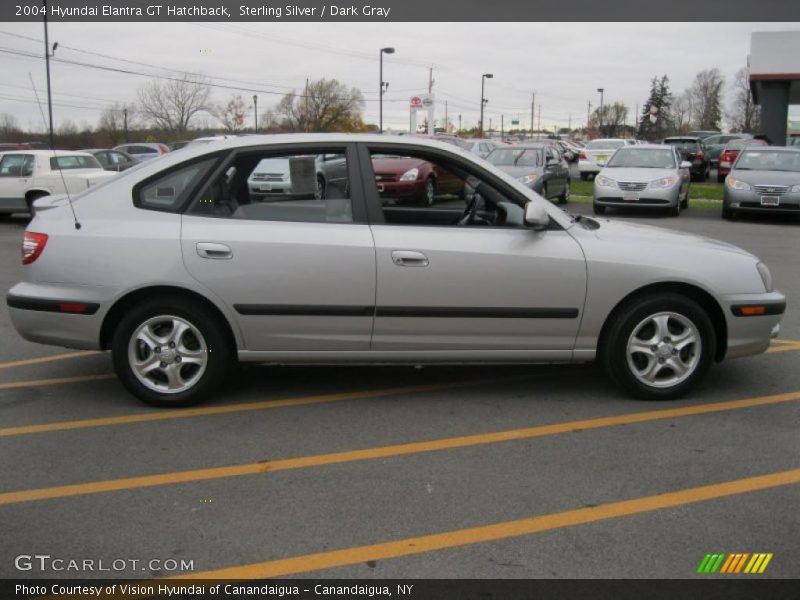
(648,147)
(683,137)
(761,148)
(50,153)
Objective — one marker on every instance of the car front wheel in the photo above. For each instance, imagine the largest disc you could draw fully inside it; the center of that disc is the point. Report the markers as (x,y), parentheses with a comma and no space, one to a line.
(659,346)
(170,354)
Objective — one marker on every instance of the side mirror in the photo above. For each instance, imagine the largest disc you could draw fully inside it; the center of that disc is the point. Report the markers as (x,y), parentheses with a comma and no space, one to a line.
(536,216)
(686,165)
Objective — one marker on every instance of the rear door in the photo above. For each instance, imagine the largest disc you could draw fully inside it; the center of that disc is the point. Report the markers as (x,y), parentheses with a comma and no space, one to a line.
(16,175)
(297,270)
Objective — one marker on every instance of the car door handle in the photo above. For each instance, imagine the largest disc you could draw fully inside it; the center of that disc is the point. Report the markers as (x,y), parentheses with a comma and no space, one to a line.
(214,250)
(409,258)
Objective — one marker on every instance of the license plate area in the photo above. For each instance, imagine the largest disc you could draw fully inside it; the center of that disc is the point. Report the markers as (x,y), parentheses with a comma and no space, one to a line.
(770,200)
(265,187)
(630,196)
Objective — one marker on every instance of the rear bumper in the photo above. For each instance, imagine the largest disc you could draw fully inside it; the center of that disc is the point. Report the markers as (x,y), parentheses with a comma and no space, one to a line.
(68,316)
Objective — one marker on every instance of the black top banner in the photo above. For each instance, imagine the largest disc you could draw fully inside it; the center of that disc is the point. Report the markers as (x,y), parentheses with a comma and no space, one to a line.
(398,10)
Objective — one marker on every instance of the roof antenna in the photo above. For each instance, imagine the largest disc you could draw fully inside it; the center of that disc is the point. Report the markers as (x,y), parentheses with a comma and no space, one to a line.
(58,164)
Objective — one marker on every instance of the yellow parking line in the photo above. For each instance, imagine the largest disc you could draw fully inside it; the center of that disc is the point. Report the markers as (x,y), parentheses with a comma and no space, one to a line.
(317,460)
(230,408)
(58,381)
(43,359)
(497,531)
(783,346)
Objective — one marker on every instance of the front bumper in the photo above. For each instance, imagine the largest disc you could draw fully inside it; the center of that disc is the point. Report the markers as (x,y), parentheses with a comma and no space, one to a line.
(751,334)
(654,198)
(750,201)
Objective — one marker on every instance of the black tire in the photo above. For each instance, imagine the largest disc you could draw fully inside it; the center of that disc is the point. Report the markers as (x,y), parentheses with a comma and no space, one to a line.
(720,178)
(728,213)
(685,201)
(218,351)
(319,193)
(429,194)
(544,191)
(675,211)
(614,355)
(598,210)
(564,197)
(32,197)
(584,177)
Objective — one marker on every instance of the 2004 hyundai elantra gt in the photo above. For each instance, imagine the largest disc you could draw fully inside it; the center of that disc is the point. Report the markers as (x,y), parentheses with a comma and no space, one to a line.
(180,269)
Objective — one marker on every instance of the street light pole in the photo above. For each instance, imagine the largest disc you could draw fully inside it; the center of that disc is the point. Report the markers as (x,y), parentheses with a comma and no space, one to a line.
(601,90)
(47,68)
(255,113)
(484,77)
(381,86)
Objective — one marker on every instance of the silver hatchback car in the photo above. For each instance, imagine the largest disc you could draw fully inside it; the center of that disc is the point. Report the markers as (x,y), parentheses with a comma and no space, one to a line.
(178,271)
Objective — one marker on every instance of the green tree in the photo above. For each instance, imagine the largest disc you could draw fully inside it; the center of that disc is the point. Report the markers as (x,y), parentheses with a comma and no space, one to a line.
(659,105)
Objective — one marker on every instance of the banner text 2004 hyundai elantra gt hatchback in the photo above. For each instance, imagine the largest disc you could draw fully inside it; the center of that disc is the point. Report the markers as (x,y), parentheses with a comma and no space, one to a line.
(180,267)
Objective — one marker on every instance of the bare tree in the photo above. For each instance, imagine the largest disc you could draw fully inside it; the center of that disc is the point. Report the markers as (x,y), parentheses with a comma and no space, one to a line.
(9,127)
(706,93)
(614,116)
(682,112)
(170,105)
(113,120)
(327,106)
(743,114)
(232,114)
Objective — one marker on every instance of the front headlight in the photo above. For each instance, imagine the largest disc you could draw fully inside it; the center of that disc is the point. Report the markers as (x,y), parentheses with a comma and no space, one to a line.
(528,179)
(410,175)
(766,276)
(664,182)
(735,184)
(605,181)
(796,189)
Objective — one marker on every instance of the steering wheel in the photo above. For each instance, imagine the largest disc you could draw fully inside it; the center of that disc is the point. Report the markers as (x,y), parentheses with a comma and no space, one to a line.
(471,209)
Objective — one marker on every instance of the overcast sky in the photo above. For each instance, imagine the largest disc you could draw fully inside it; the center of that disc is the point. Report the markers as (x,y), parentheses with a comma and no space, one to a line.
(564,63)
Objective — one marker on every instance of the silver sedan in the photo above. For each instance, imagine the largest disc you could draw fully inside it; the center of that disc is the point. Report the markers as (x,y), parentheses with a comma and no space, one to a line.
(176,270)
(643,175)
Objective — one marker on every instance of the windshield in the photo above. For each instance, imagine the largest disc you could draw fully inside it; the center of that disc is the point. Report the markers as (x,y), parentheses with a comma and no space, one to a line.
(765,160)
(644,159)
(604,144)
(74,162)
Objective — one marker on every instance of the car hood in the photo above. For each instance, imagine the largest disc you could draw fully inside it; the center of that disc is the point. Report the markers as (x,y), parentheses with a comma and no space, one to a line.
(789,178)
(395,166)
(638,238)
(520,171)
(639,175)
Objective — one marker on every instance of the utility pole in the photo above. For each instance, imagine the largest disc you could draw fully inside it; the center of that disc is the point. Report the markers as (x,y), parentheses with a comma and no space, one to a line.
(255,113)
(588,115)
(490,126)
(382,87)
(430,79)
(570,123)
(125,122)
(47,67)
(306,111)
(445,116)
(459,124)
(601,90)
(502,126)
(539,126)
(533,108)
(636,121)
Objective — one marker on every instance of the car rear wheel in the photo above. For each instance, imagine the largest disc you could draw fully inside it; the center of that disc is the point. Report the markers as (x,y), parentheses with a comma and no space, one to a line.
(659,346)
(599,210)
(169,354)
(564,197)
(728,213)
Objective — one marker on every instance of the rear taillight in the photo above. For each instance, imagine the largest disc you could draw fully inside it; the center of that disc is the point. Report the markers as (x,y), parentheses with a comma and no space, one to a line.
(700,155)
(582,156)
(32,246)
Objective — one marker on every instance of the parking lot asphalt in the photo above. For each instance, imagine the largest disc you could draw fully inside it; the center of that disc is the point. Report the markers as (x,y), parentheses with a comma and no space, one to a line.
(473,471)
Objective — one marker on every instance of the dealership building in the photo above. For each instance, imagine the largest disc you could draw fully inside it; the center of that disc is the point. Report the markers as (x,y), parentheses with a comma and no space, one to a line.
(774,66)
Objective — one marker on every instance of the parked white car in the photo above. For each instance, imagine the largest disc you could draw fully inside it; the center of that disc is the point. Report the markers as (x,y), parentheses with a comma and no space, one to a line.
(596,154)
(26,175)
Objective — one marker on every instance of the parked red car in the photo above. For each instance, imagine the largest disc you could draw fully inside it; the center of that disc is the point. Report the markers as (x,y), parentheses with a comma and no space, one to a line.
(409,179)
(728,155)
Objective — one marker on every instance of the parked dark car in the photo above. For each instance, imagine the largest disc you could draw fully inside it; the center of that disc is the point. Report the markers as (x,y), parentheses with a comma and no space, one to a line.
(112,160)
(715,144)
(728,155)
(693,150)
(539,166)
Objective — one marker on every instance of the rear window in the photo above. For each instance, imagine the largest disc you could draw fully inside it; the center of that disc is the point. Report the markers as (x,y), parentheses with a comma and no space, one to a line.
(604,144)
(64,163)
